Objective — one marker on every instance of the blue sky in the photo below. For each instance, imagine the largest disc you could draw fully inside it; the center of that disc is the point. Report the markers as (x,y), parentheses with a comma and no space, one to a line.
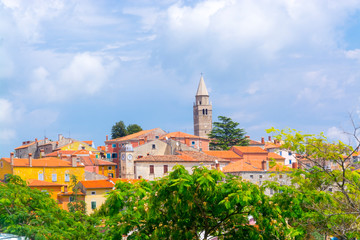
(77,67)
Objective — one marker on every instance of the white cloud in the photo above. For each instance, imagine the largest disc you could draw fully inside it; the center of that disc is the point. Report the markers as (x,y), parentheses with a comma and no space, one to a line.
(336,134)
(86,74)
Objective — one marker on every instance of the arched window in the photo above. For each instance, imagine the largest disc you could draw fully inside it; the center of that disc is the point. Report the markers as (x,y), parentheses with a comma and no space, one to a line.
(206,111)
(203,111)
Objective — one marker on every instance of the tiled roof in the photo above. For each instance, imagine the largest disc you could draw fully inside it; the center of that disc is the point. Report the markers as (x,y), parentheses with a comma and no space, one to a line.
(279,167)
(202,157)
(132,136)
(70,193)
(105,183)
(101,148)
(275,156)
(247,149)
(92,161)
(253,142)
(24,146)
(90,143)
(223,154)
(182,135)
(160,158)
(39,183)
(81,152)
(42,162)
(63,152)
(269,145)
(243,166)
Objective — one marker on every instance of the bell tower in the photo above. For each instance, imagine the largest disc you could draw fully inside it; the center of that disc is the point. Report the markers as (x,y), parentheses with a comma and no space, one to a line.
(202,111)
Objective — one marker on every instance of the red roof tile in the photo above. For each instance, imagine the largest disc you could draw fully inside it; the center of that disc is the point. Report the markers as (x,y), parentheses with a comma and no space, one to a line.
(182,135)
(275,156)
(132,136)
(25,146)
(223,154)
(39,183)
(247,149)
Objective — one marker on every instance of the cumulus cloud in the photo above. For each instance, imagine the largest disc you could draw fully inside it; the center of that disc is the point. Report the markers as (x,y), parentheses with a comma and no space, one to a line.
(86,74)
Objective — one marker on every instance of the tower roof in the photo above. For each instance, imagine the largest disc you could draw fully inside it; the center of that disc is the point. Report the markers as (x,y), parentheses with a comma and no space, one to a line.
(202,91)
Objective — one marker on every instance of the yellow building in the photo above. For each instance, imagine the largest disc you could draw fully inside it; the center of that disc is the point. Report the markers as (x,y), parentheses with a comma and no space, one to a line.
(78,145)
(95,191)
(47,169)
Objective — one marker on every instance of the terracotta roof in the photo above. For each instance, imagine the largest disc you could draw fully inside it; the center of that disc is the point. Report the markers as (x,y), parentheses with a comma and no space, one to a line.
(63,152)
(92,161)
(182,135)
(39,183)
(90,143)
(132,136)
(269,145)
(202,157)
(243,166)
(223,154)
(24,146)
(105,183)
(275,156)
(81,152)
(160,158)
(101,148)
(253,142)
(70,193)
(247,149)
(41,162)
(279,167)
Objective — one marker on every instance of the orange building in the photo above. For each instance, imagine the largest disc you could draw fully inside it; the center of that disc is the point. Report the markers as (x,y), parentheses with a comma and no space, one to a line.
(52,188)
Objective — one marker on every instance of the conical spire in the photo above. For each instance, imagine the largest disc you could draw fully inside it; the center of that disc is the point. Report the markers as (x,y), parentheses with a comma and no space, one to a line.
(202,91)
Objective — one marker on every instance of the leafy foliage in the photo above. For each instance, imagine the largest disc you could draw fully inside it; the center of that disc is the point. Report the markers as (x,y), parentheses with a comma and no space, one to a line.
(193,206)
(226,134)
(120,130)
(32,213)
(133,128)
(77,204)
(308,203)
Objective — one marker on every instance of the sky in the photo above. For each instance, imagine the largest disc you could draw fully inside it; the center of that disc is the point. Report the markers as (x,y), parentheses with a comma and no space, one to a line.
(78,67)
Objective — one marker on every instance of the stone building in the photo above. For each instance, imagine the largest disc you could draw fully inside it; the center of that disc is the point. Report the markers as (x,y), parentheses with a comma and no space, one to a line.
(202,111)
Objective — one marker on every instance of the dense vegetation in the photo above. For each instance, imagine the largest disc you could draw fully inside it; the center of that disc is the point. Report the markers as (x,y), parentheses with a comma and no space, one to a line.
(207,203)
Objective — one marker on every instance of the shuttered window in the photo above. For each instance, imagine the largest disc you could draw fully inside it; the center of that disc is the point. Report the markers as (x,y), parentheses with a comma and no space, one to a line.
(67,177)
(41,176)
(54,177)
(151,169)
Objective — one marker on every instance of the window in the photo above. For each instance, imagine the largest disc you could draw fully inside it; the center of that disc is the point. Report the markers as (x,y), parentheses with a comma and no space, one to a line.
(93,193)
(271,191)
(41,177)
(114,145)
(206,112)
(109,168)
(280,176)
(71,199)
(289,161)
(156,137)
(251,176)
(260,176)
(114,155)
(165,168)
(153,146)
(67,177)
(193,143)
(54,177)
(151,169)
(280,153)
(330,190)
(111,175)
(108,155)
(290,153)
(203,111)
(1,164)
(45,191)
(93,205)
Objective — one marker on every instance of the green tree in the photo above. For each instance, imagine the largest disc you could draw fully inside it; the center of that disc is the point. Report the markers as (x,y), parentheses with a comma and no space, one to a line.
(226,134)
(118,130)
(133,128)
(32,213)
(200,205)
(76,204)
(324,196)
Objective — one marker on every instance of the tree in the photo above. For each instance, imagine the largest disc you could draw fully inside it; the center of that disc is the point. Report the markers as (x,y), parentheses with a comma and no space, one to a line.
(32,213)
(200,205)
(226,134)
(325,193)
(76,204)
(118,130)
(133,128)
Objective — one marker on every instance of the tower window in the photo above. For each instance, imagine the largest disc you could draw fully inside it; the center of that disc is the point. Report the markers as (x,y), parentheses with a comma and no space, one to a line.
(199,102)
(203,111)
(206,111)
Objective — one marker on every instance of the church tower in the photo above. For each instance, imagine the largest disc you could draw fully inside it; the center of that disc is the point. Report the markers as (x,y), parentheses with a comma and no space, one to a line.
(202,111)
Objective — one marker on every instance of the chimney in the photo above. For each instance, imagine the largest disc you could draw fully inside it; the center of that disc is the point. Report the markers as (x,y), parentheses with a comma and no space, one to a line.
(30,159)
(35,139)
(187,141)
(107,137)
(294,165)
(73,160)
(12,159)
(269,138)
(42,153)
(264,165)
(262,140)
